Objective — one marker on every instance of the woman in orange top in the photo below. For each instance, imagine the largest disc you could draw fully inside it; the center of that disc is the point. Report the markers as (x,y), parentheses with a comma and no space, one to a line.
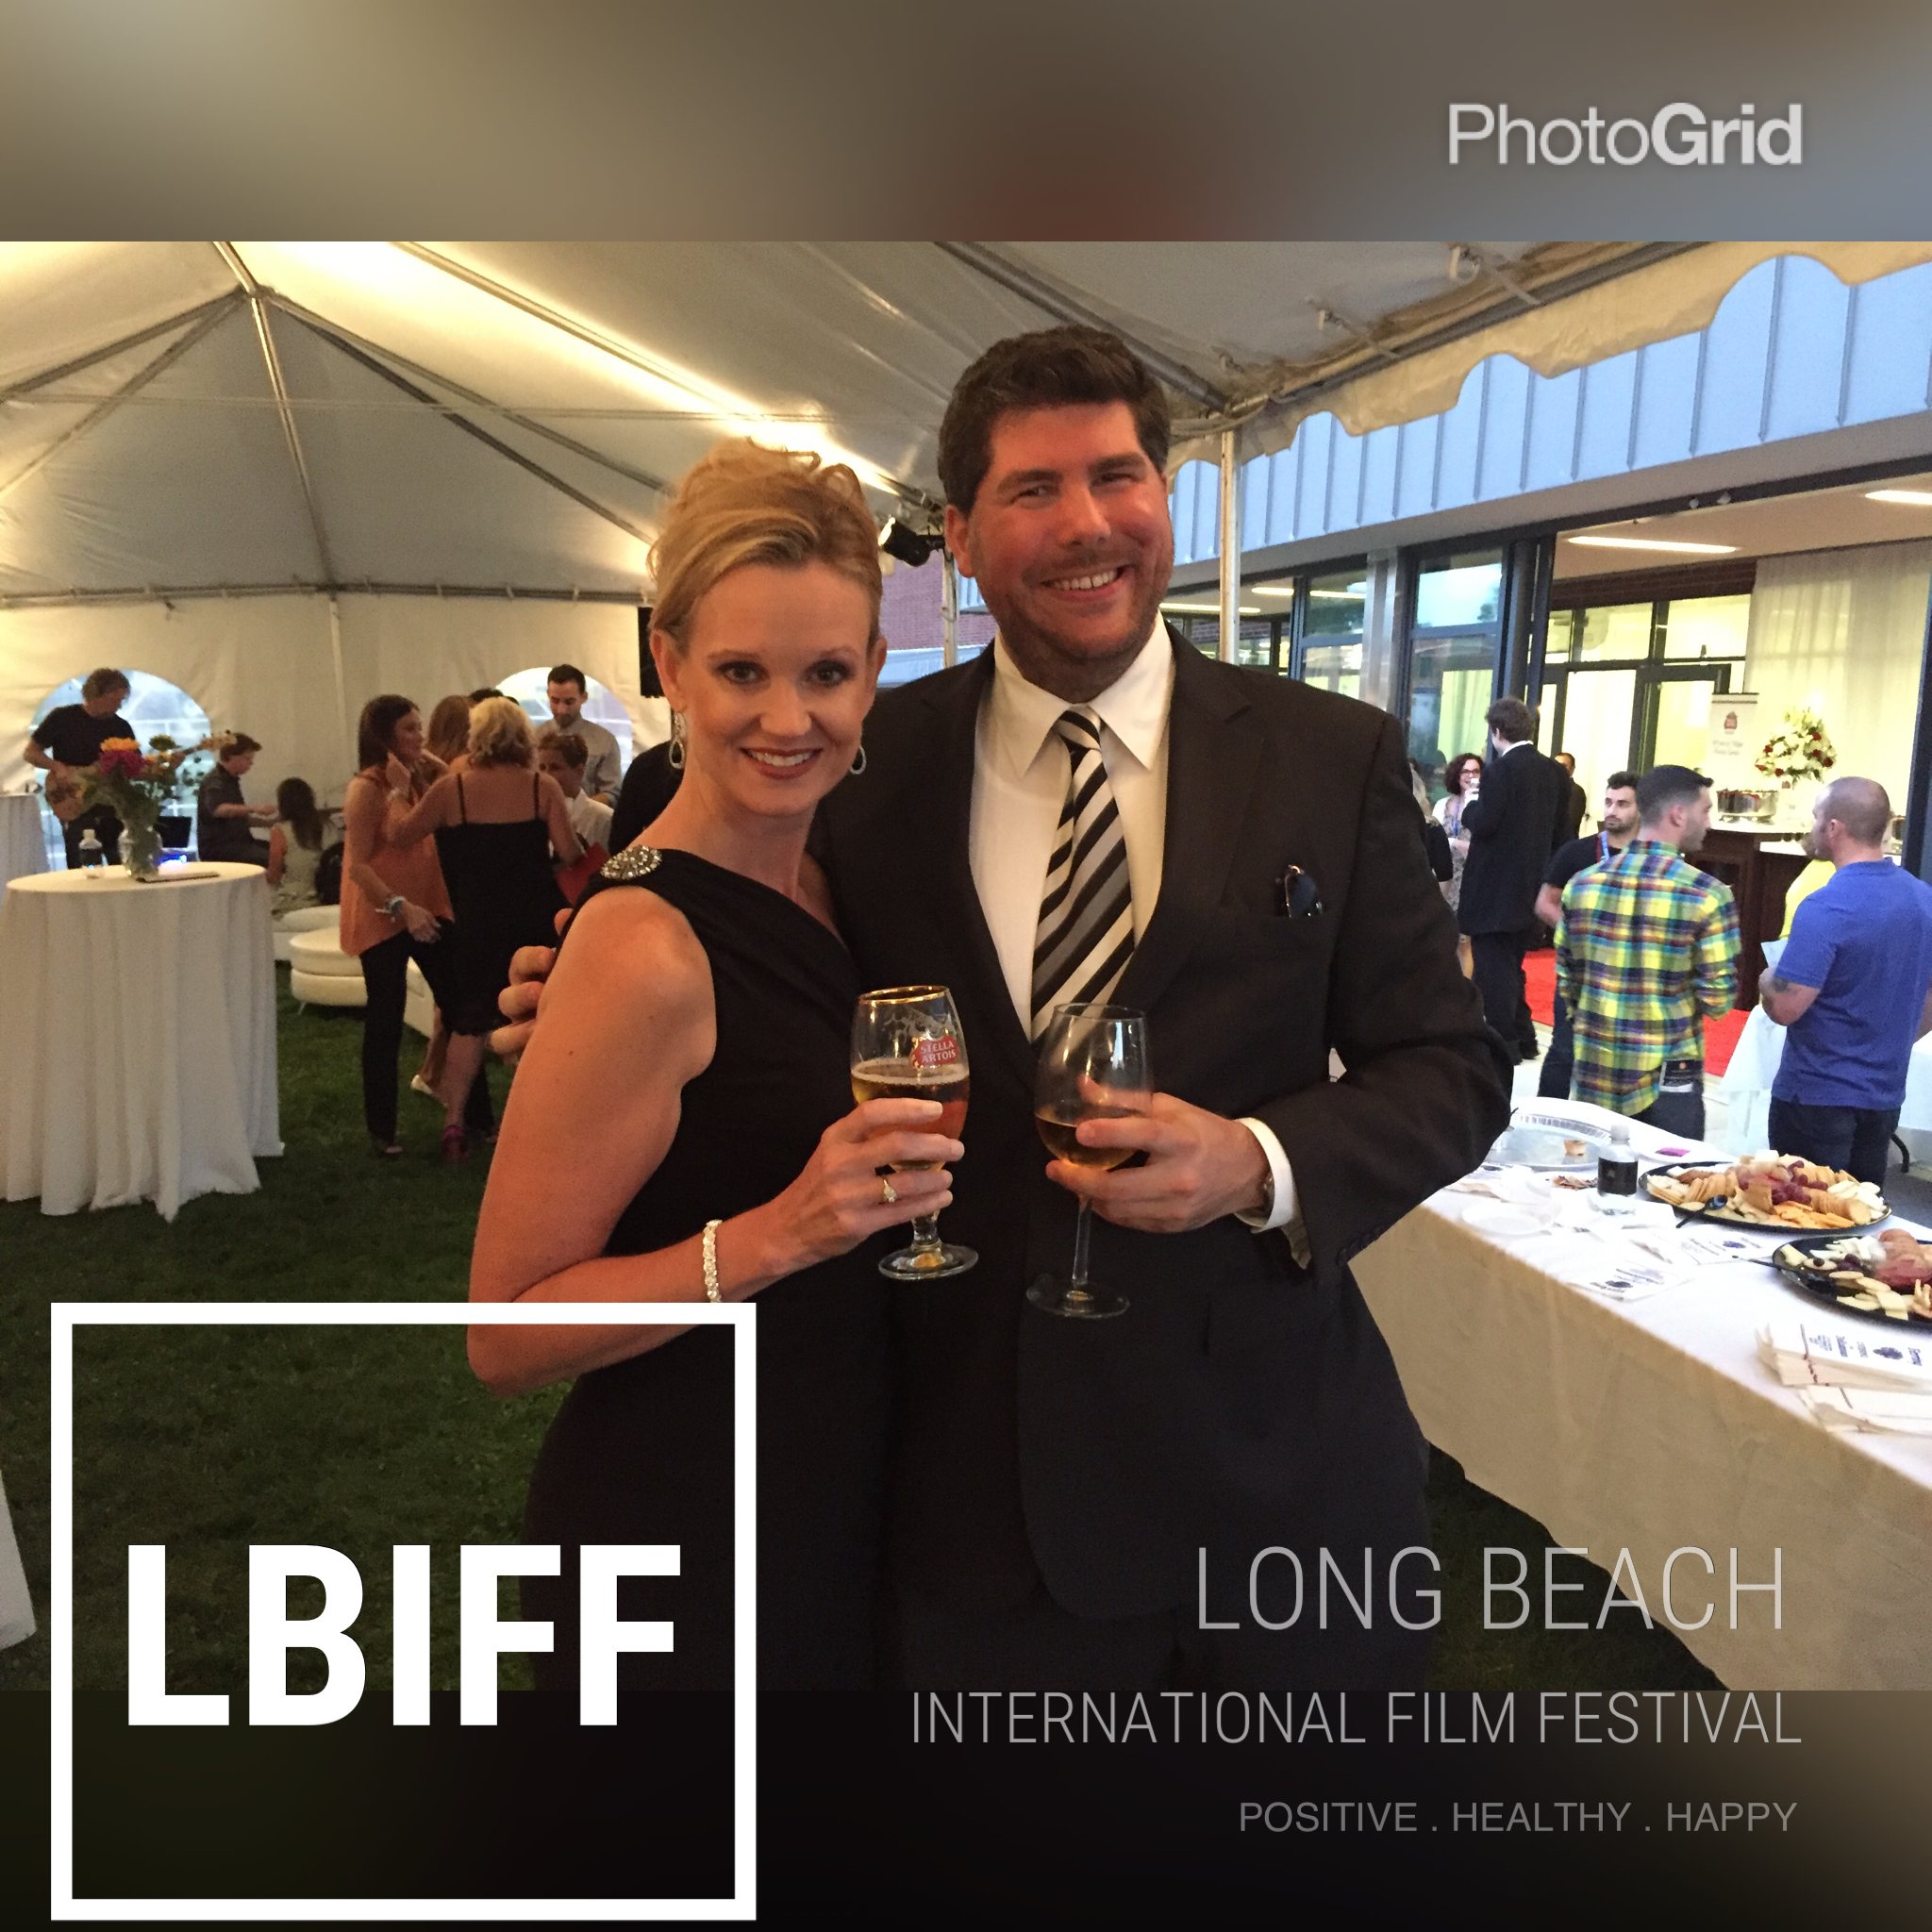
(393,905)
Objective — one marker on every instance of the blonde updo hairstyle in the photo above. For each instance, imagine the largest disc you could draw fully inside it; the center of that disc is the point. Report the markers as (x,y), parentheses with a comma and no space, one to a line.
(500,734)
(746,504)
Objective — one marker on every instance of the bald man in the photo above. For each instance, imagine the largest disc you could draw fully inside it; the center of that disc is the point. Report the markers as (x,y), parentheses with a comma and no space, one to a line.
(1854,986)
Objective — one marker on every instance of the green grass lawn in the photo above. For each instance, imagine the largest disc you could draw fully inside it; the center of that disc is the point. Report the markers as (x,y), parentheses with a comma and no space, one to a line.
(357,1437)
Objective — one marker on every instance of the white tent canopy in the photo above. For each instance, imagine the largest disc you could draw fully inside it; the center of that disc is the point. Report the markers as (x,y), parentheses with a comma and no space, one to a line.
(271,472)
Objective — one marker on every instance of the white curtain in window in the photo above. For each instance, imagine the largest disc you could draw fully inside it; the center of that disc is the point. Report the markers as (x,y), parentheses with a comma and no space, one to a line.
(1844,633)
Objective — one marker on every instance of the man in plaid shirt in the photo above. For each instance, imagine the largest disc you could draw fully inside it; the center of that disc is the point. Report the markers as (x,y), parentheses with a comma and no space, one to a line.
(1646,946)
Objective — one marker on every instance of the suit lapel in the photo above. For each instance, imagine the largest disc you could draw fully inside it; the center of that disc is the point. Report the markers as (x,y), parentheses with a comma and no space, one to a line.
(1213,752)
(967,938)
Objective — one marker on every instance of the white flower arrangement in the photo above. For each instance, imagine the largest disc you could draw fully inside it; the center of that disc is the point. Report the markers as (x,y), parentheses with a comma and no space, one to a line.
(1800,748)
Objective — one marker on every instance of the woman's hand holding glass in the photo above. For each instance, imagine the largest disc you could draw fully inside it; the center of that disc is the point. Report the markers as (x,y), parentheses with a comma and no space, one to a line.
(840,1199)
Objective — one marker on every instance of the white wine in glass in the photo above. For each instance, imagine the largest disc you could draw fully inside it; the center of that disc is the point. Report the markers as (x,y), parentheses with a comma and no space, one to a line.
(1092,1067)
(906,1045)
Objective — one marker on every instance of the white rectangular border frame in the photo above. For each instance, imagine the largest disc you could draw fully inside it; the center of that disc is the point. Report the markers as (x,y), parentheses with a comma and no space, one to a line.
(741,1316)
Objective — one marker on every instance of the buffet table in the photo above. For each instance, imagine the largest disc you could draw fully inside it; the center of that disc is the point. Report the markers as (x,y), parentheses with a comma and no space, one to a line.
(137,1035)
(1652,1426)
(22,839)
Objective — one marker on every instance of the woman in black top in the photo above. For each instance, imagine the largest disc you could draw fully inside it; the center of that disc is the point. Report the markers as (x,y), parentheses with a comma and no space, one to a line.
(495,822)
(700,1011)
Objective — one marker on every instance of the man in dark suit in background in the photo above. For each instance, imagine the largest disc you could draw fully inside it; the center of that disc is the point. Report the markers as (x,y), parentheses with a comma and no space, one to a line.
(1084,1503)
(1578,802)
(1513,824)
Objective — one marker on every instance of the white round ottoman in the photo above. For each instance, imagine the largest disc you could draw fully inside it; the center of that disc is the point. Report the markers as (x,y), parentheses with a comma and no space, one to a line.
(303,919)
(321,974)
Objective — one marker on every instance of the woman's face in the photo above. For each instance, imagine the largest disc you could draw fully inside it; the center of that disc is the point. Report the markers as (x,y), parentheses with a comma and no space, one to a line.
(1471,773)
(775,683)
(405,740)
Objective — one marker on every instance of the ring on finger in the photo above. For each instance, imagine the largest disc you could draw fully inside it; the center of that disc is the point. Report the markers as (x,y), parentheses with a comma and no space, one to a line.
(887,1194)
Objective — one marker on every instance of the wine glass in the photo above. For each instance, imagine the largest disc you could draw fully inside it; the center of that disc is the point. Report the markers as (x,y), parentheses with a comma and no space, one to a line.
(1092,1067)
(906,1044)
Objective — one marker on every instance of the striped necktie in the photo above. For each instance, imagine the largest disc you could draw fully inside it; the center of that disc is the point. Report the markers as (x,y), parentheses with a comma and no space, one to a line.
(1086,930)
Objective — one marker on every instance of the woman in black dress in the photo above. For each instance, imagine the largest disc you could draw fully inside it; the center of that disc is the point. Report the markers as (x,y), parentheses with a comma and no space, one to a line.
(495,822)
(700,1015)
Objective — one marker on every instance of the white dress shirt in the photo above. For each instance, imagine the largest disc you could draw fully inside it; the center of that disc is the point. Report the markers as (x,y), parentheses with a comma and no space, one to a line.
(590,821)
(1019,785)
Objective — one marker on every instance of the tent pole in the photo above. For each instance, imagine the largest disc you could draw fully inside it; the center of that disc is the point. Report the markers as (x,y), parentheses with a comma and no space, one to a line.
(1230,545)
(257,308)
(215,314)
(350,344)
(949,606)
(335,647)
(27,384)
(469,428)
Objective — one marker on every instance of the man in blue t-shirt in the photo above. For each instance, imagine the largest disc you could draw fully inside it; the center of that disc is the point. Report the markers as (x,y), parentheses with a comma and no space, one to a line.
(1854,985)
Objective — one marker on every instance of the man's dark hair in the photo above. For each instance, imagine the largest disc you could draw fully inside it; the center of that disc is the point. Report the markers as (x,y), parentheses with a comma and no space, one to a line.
(1620,781)
(239,742)
(566,744)
(487,691)
(1511,719)
(99,683)
(1664,786)
(1567,760)
(1051,369)
(569,674)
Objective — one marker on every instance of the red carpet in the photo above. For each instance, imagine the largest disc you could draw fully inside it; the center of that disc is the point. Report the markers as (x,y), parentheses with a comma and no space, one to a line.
(1540,976)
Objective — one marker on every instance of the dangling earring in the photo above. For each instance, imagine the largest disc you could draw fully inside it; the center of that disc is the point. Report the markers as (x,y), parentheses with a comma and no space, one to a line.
(858,763)
(674,757)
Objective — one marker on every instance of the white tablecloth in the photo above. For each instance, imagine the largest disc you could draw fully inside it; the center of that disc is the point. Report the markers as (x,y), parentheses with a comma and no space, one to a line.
(1747,1081)
(137,1038)
(1652,1425)
(16,1607)
(23,844)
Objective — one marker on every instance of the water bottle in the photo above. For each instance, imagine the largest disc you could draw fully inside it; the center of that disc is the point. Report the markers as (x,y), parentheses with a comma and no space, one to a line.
(91,858)
(1616,1174)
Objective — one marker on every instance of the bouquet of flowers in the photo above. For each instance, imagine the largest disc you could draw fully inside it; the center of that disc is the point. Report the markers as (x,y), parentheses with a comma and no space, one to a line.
(135,786)
(1798,749)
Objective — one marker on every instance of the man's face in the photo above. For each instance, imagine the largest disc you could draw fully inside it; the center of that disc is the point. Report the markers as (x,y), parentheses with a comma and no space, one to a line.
(240,764)
(1818,840)
(106,705)
(1696,823)
(554,764)
(1620,811)
(1069,540)
(566,702)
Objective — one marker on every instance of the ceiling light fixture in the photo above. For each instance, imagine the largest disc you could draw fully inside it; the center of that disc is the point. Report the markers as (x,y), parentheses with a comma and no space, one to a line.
(1653,544)
(1213,610)
(1921,499)
(909,546)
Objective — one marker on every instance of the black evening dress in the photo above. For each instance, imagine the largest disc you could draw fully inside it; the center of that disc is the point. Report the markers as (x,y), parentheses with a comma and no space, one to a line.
(502,894)
(640,1451)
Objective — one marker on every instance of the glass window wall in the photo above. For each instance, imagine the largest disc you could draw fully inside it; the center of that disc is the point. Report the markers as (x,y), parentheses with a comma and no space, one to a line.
(1453,653)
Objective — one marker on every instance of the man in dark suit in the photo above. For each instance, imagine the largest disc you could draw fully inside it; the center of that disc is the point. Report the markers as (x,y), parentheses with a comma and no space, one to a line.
(1578,803)
(1106,1503)
(1514,824)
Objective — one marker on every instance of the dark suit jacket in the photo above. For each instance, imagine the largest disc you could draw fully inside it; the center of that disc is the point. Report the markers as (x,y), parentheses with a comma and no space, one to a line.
(1241,1401)
(1513,826)
(1578,804)
(648,787)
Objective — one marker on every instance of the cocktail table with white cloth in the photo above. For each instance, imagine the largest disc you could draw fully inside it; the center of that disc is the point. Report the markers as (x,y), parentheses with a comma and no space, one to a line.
(138,1038)
(1650,1424)
(23,838)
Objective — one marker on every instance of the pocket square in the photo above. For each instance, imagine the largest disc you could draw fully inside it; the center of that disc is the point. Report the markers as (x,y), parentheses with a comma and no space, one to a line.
(1301,898)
